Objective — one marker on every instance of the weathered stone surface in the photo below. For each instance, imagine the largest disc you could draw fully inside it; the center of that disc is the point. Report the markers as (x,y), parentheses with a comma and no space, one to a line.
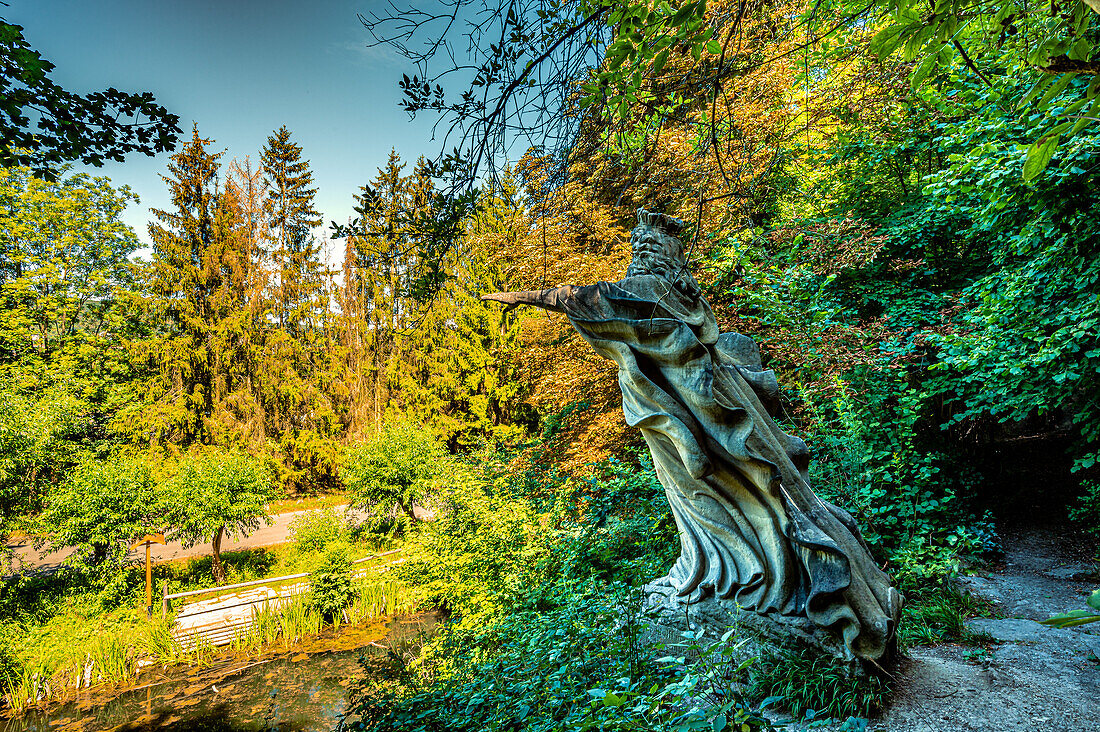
(761,632)
(752,531)
(1058,642)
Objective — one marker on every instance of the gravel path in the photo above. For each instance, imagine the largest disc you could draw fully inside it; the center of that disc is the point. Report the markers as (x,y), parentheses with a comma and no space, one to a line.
(1031,677)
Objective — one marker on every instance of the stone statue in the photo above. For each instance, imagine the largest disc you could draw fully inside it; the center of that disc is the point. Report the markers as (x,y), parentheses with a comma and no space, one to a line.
(752,532)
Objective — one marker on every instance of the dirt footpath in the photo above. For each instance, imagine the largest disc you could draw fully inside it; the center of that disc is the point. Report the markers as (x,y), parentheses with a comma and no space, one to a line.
(1031,677)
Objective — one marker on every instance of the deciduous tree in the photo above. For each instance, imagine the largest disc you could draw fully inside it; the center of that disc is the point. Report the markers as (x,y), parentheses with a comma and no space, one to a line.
(70,126)
(101,508)
(216,494)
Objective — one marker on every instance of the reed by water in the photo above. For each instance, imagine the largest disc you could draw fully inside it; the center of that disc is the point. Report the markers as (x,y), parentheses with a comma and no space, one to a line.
(117,653)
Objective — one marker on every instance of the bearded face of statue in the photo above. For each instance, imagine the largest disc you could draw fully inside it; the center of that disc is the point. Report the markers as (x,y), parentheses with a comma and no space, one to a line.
(657,251)
(653,253)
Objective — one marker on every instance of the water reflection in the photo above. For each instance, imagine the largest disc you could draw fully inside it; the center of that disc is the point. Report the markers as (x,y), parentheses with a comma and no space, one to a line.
(304,689)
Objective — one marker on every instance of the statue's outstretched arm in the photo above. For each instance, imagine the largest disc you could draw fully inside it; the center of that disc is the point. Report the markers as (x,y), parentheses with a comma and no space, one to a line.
(553,299)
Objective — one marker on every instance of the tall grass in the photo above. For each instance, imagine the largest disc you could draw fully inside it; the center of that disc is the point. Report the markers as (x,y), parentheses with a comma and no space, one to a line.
(289,620)
(109,657)
(28,687)
(299,619)
(72,653)
(376,598)
(159,644)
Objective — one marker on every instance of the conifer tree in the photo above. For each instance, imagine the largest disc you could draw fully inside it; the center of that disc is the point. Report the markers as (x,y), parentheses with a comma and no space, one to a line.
(446,364)
(182,289)
(374,284)
(291,217)
(298,408)
(487,338)
(202,386)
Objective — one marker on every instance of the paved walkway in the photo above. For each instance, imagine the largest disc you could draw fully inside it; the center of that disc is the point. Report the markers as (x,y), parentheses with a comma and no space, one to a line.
(277,533)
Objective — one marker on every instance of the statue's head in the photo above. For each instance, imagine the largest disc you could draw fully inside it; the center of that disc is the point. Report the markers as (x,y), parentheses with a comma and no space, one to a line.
(657,250)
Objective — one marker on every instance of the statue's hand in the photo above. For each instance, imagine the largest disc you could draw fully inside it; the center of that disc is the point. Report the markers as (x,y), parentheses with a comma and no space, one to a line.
(545,299)
(507,298)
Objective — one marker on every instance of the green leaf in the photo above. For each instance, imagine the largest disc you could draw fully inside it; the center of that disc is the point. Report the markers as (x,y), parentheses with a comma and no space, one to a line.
(1094,600)
(1033,91)
(1039,156)
(714,46)
(659,62)
(1081,50)
(1006,10)
(1087,117)
(887,39)
(922,70)
(916,43)
(1058,87)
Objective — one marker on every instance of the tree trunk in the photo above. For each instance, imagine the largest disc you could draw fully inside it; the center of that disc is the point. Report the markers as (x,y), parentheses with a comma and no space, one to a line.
(408,509)
(219,569)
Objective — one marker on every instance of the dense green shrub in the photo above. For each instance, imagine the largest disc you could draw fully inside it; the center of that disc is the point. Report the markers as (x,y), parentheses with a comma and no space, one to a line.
(485,553)
(100,508)
(312,531)
(622,530)
(330,583)
(546,631)
(392,471)
(875,459)
(1087,510)
(41,438)
(585,665)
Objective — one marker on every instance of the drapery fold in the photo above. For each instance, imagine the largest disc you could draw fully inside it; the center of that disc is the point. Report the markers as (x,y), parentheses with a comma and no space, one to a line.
(751,529)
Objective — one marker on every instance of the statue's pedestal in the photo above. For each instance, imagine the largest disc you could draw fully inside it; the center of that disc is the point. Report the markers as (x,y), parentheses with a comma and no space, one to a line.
(671,616)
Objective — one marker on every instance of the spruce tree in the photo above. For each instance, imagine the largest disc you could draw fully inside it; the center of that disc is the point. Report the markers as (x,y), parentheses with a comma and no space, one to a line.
(203,378)
(296,389)
(182,288)
(373,285)
(447,364)
(291,218)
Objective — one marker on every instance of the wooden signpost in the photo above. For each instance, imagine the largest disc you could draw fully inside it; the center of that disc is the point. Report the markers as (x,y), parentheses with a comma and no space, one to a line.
(147,540)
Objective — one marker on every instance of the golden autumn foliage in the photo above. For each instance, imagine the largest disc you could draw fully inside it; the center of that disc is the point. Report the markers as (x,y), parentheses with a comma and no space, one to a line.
(313,357)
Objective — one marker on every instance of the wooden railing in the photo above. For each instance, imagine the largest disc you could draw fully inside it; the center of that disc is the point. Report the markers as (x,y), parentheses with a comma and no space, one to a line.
(166,598)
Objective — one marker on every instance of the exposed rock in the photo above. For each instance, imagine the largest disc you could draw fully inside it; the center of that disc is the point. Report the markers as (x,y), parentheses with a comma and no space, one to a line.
(1079,573)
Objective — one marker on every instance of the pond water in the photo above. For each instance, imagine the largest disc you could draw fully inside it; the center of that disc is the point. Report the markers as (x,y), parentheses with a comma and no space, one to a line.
(304,688)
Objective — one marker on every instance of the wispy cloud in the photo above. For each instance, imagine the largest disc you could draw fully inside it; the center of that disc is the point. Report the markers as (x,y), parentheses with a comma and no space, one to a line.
(368,55)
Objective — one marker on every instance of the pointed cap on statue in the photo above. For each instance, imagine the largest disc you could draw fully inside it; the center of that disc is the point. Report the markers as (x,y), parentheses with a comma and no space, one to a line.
(669,224)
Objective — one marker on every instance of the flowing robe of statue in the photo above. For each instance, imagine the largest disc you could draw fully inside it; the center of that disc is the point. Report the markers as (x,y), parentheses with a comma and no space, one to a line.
(751,529)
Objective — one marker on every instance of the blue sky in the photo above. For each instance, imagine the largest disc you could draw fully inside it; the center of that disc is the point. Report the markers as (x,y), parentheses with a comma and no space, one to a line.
(240,69)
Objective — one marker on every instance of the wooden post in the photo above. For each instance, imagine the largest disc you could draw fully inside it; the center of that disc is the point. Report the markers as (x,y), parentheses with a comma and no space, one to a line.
(164,602)
(148,583)
(147,540)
